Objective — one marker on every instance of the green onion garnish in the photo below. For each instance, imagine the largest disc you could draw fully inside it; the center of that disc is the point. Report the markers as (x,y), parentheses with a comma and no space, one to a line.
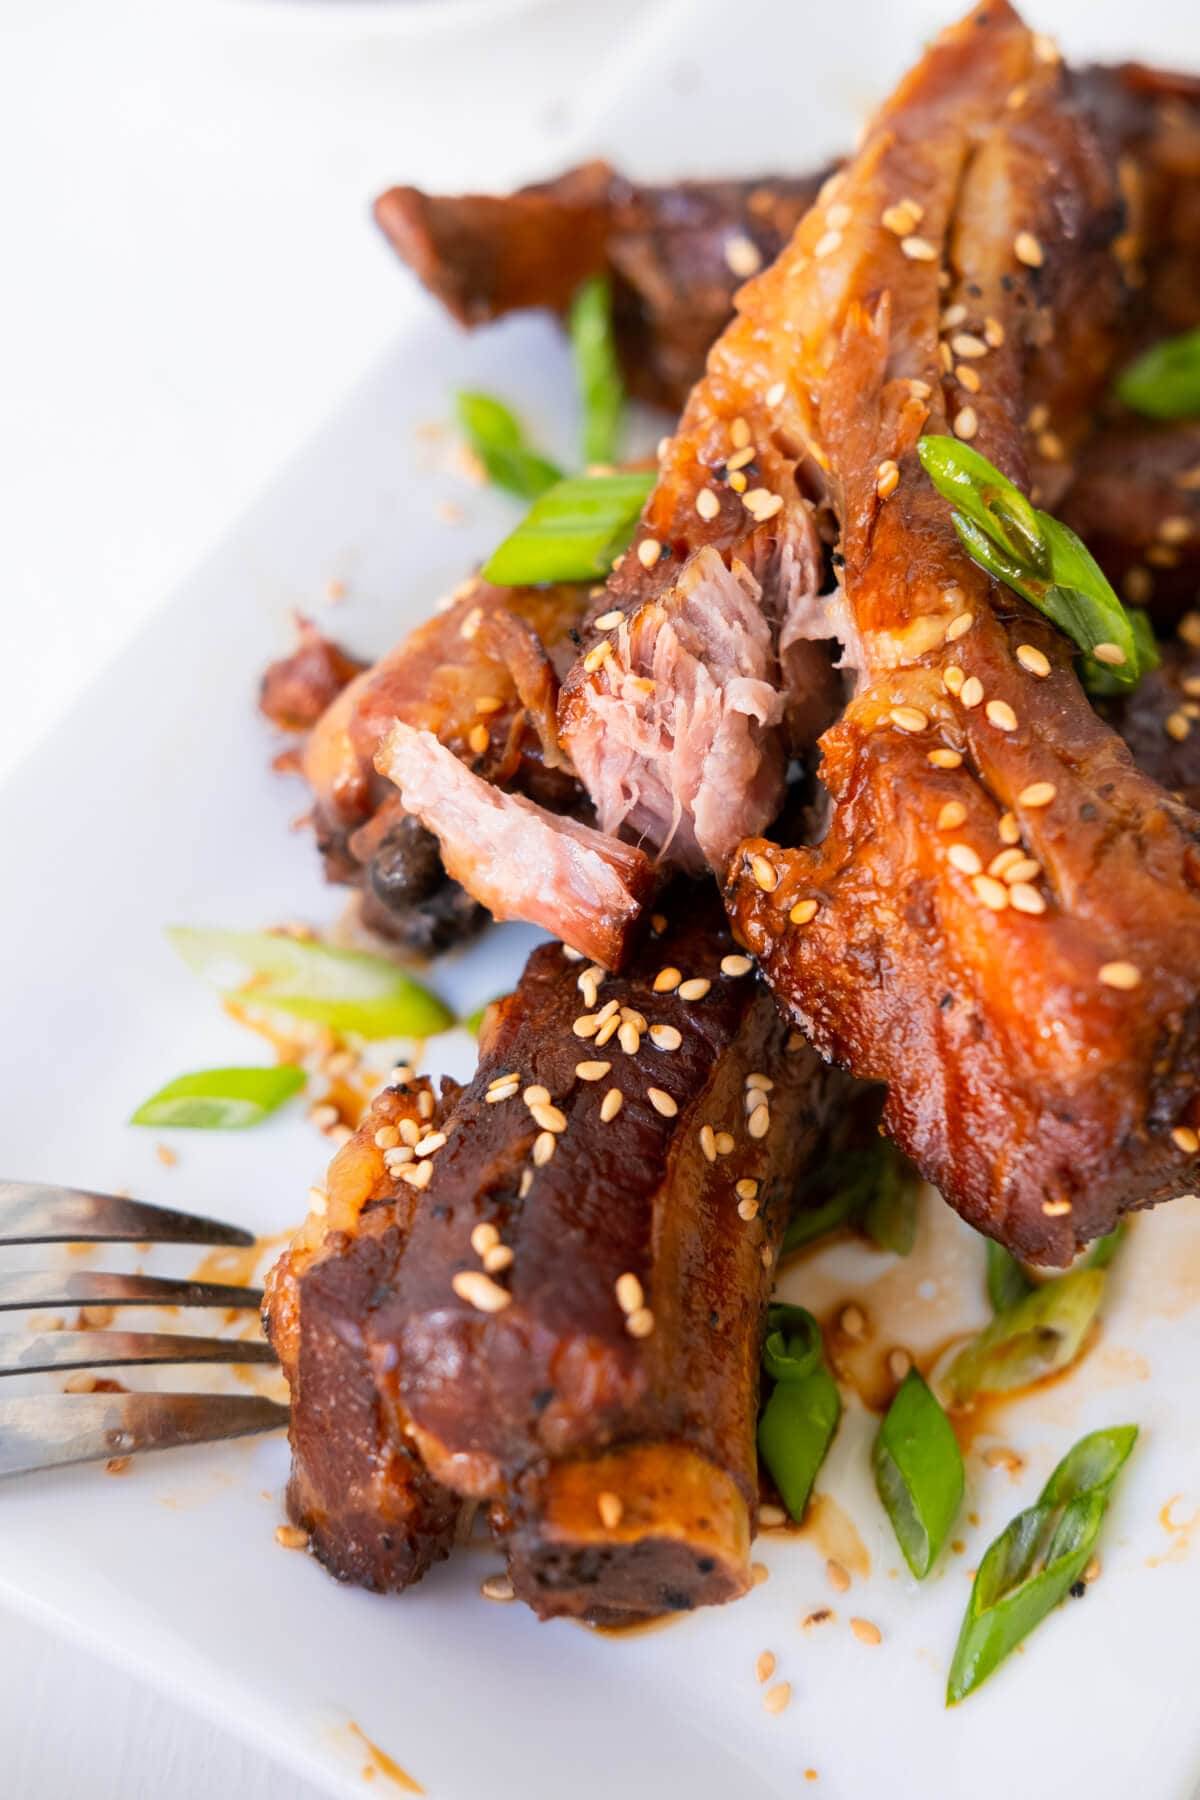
(875,1188)
(802,1413)
(597,371)
(1164,382)
(1035,555)
(344,989)
(1038,1336)
(1007,1281)
(1037,1558)
(919,1473)
(496,436)
(220,1099)
(1105,1248)
(573,531)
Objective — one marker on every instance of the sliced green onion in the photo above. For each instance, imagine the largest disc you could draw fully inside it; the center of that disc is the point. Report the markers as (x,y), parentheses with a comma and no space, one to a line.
(919,1473)
(875,1188)
(792,1346)
(795,1432)
(1040,1335)
(1034,554)
(1105,1248)
(573,531)
(1038,1557)
(220,1099)
(344,989)
(1007,1281)
(597,371)
(1164,382)
(498,439)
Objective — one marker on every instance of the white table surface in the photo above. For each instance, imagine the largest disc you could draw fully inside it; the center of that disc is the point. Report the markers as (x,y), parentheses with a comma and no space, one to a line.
(191,283)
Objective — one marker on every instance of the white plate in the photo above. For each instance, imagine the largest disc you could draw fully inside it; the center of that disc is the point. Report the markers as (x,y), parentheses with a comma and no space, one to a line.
(153,803)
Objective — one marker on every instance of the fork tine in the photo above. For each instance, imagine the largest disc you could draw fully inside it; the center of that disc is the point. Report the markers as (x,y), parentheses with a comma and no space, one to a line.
(23,1289)
(44,1431)
(32,1212)
(31,1353)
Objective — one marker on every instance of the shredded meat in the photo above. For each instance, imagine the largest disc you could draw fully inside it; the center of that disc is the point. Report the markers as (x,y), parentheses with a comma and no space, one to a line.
(298,688)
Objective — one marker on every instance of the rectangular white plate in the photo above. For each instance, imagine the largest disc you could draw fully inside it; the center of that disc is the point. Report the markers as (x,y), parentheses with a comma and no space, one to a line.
(152,803)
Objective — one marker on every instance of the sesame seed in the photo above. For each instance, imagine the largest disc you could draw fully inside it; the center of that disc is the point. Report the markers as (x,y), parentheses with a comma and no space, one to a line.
(592,1071)
(609,620)
(544,1145)
(762,504)
(1175,529)
(1185,1139)
(1039,416)
(291,1537)
(946,759)
(764,874)
(837,216)
(899,1362)
(836,1575)
(318,1201)
(740,459)
(485,1237)
(611,1509)
(665,1037)
(1051,446)
(758,1573)
(488,703)
(965,343)
(865,1632)
(504,1092)
(964,859)
(954,315)
(739,434)
(803,911)
(734,965)
(1026,899)
(972,691)
(640,1324)
(667,980)
(525,1183)
(764,1668)
(497,1587)
(648,552)
(737,482)
(908,718)
(747,1210)
(536,1095)
(585,1026)
(572,956)
(1023,870)
(1038,793)
(1001,715)
(775,393)
(918,249)
(708,1143)
(599,653)
(629,1038)
(826,244)
(993,894)
(952,815)
(550,1118)
(953,678)
(959,626)
(478,738)
(1092,1572)
(1045,49)
(1027,250)
(887,478)
(1006,860)
(966,422)
(725,1143)
(1123,975)
(662,1102)
(1177,725)
(759,1122)
(742,256)
(1056,1209)
(993,332)
(852,1320)
(417,1175)
(1032,659)
(608,1030)
(695,988)
(387,1137)
(707,504)
(777,1698)
(480,1291)
(746,1188)
(323,1115)
(968,377)
(904,217)
(410,1131)
(395,1159)
(1109,653)
(1007,828)
(629,1292)
(820,1616)
(611,1105)
(499,1257)
(760,1081)
(429,1144)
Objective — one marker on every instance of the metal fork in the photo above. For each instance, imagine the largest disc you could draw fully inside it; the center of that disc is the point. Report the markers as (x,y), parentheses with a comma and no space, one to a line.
(41,1431)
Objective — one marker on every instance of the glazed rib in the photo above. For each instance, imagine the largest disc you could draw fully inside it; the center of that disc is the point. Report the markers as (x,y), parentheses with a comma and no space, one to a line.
(675,254)
(566,1393)
(1040,1037)
(374,1514)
